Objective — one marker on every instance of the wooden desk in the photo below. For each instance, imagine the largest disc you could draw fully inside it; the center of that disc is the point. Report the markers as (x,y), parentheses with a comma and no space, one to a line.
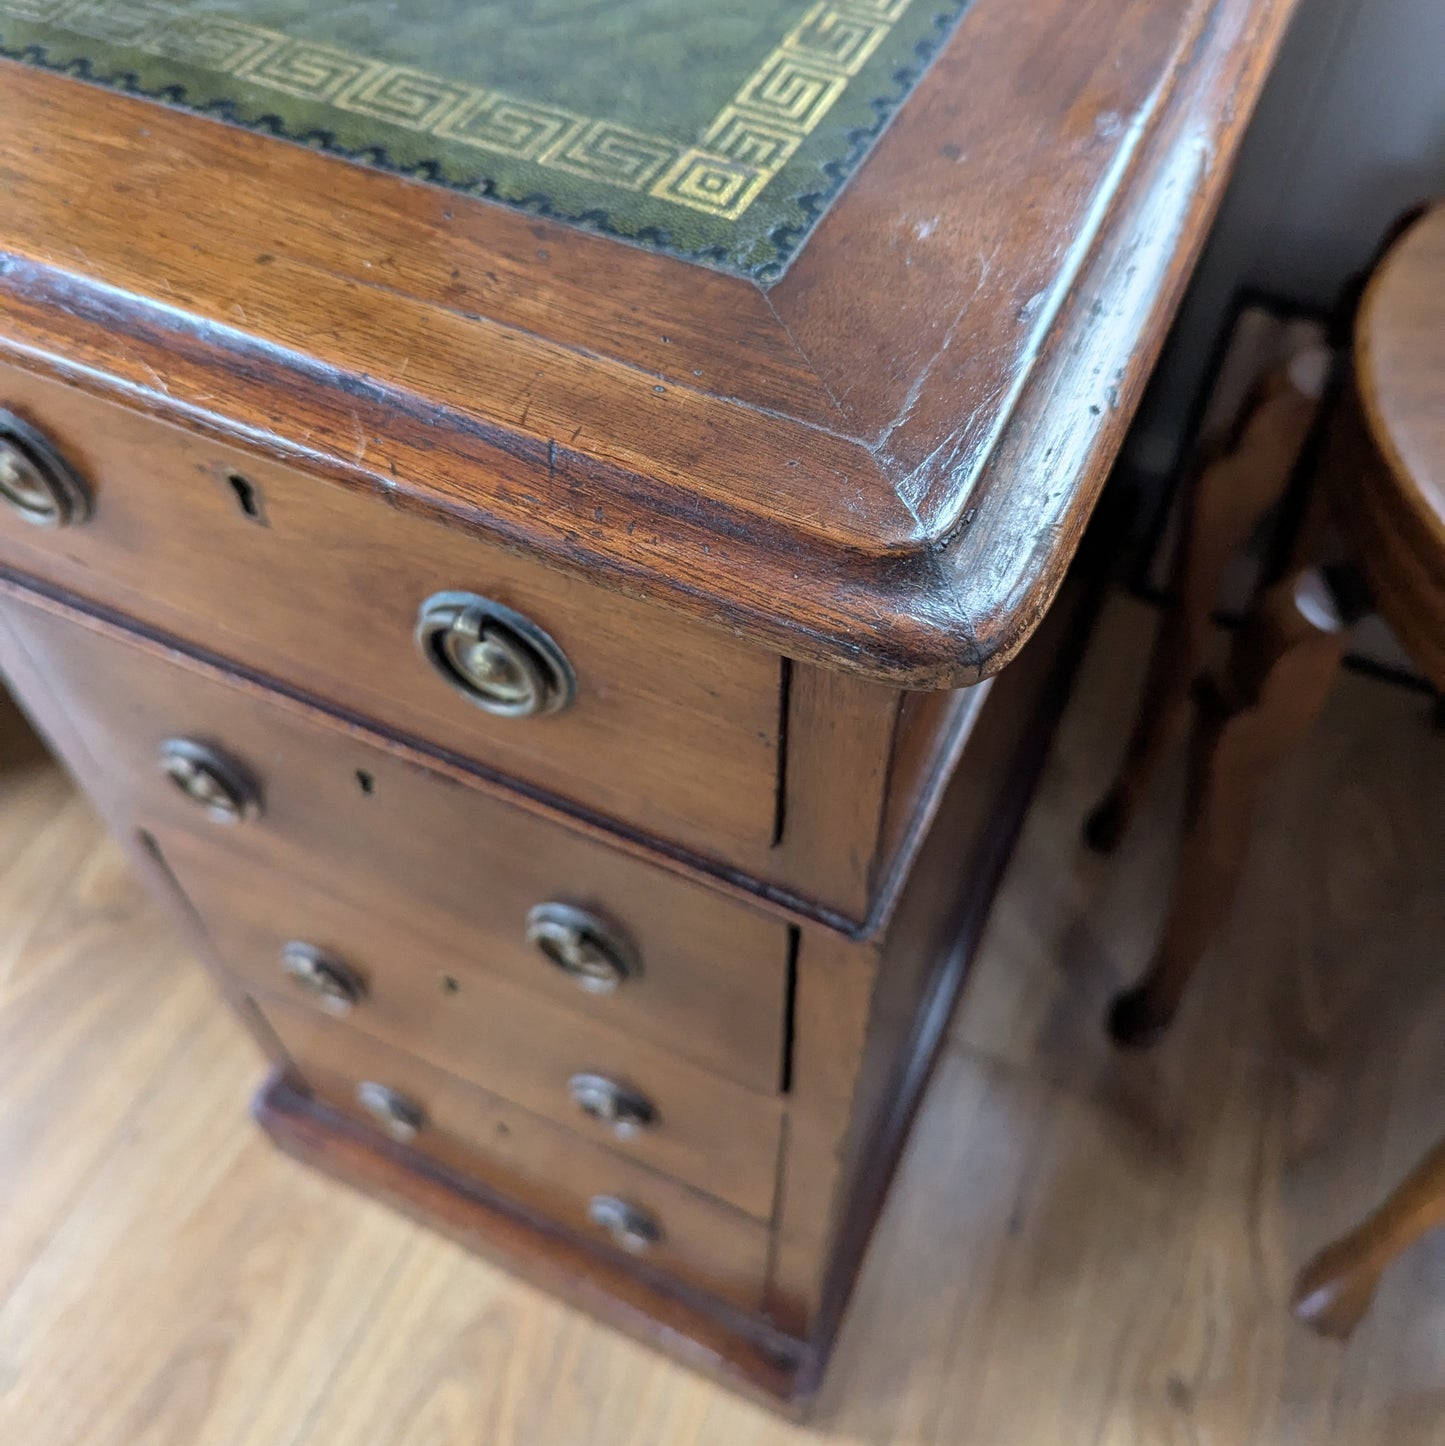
(532,640)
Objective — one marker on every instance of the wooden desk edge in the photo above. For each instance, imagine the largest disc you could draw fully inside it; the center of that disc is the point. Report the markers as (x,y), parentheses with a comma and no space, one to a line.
(944,607)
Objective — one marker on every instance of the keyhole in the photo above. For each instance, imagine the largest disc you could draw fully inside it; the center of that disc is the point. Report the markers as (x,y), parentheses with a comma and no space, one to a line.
(450,984)
(364,781)
(248,498)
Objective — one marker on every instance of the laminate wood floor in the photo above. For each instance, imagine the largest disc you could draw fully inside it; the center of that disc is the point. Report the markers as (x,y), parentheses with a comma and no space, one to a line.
(1081,1248)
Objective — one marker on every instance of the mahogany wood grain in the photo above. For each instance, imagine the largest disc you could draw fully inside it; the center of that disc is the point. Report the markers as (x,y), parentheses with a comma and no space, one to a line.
(322,592)
(408,845)
(63,614)
(866,476)
(1082,1200)
(1079,395)
(863,766)
(579,405)
(846,847)
(944,372)
(708,1334)
(104,790)
(965,306)
(444,1004)
(654,701)
(736,1346)
(832,1014)
(536,1164)
(869,1015)
(933,729)
(839,739)
(850,1039)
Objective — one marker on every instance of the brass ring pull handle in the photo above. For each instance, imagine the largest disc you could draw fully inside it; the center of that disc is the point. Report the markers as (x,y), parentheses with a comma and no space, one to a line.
(336,986)
(587,949)
(211,780)
(631,1228)
(391,1111)
(612,1103)
(494,657)
(36,482)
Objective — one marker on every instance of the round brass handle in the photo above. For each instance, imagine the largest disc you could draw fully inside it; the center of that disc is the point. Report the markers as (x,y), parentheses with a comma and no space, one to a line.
(335,985)
(391,1110)
(612,1103)
(630,1227)
(494,657)
(36,482)
(594,955)
(211,779)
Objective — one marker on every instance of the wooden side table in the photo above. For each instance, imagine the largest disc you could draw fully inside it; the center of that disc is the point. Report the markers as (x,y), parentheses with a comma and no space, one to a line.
(1378,495)
(536,602)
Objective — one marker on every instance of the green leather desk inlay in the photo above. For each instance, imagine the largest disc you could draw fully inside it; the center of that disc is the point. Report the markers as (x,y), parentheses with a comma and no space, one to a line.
(716,131)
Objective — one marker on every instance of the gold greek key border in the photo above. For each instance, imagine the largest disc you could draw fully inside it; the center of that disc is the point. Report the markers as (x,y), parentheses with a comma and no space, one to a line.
(746,145)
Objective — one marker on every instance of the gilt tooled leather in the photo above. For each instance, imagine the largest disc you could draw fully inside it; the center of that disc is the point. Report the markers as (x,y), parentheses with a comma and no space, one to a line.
(713,130)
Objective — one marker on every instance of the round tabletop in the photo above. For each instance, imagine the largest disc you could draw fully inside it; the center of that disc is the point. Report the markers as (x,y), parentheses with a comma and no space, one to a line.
(1400,367)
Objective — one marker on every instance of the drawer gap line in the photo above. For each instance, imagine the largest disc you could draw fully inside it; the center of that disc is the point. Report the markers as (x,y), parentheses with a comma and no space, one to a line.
(790,996)
(675,858)
(780,797)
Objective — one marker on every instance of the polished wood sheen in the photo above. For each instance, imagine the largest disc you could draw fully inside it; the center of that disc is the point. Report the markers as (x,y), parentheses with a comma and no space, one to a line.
(1119,1242)
(321,593)
(413,848)
(864,1013)
(1039,198)
(535,1165)
(285,400)
(445,1006)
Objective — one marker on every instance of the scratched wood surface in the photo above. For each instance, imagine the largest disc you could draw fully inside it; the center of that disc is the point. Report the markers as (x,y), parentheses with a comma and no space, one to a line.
(1081,1249)
(883,463)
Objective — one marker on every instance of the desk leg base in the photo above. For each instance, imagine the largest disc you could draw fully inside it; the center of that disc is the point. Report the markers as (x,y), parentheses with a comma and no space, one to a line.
(743,1352)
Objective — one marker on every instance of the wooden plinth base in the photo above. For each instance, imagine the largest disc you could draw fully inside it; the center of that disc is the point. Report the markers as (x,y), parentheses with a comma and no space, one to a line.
(743,1352)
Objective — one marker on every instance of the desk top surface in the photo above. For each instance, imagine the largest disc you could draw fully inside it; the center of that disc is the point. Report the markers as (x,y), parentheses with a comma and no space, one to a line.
(864,428)
(716,132)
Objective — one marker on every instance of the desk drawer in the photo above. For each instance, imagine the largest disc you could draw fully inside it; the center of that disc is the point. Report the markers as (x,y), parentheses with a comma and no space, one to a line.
(673,728)
(539,1166)
(450,1009)
(455,867)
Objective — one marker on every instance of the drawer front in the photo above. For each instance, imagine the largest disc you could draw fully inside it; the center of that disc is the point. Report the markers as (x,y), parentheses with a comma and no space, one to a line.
(674,728)
(705,976)
(542,1168)
(646,1103)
